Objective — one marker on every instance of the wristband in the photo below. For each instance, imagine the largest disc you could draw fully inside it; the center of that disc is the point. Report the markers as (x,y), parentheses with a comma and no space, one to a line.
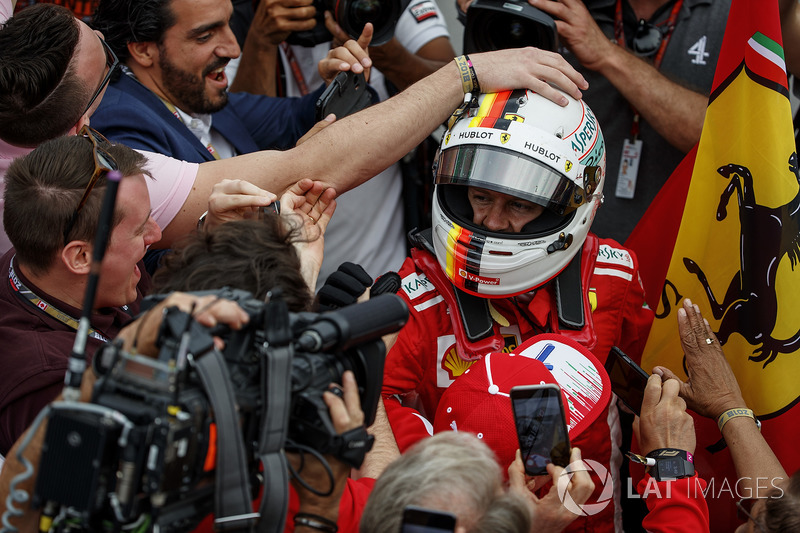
(469,80)
(202,220)
(725,417)
(317,522)
(671,464)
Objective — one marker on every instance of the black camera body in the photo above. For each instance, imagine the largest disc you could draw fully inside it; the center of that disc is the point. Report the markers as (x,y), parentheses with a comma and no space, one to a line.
(500,24)
(352,16)
(168,439)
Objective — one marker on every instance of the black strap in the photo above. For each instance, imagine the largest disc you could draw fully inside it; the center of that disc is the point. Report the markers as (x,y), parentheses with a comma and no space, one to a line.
(232,506)
(475,315)
(276,392)
(569,295)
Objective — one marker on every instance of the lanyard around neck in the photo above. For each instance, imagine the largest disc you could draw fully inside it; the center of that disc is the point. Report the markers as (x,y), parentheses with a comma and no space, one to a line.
(619,35)
(174,111)
(42,305)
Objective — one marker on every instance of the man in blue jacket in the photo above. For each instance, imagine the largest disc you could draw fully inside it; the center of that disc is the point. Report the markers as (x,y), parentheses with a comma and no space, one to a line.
(172,95)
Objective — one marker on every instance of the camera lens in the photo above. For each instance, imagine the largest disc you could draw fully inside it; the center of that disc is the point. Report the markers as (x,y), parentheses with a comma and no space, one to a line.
(352,15)
(506,31)
(499,24)
(363,11)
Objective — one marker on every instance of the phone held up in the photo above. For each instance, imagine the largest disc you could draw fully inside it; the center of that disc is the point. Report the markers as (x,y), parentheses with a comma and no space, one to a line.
(346,94)
(628,380)
(421,520)
(541,426)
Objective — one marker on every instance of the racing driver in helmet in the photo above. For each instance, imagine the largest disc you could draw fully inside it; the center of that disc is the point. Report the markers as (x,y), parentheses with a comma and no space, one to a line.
(518,181)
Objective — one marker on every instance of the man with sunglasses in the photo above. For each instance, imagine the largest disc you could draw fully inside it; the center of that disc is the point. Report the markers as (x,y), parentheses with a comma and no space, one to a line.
(53,198)
(356,148)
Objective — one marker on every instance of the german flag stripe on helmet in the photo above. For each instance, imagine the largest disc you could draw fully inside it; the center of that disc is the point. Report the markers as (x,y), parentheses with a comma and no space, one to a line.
(466,249)
(498,110)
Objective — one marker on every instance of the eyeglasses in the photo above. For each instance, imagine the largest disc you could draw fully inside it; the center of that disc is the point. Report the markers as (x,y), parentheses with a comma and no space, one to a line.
(647,39)
(103,162)
(744,511)
(112,63)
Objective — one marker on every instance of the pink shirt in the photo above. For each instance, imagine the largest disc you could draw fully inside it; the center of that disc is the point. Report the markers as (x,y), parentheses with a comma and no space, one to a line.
(172,183)
(5,10)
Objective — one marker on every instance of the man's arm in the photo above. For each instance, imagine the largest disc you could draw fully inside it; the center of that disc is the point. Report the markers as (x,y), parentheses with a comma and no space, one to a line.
(676,113)
(357,147)
(790,27)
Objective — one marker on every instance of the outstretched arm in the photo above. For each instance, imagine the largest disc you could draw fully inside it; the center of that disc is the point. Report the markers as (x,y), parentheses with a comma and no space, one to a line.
(676,112)
(357,147)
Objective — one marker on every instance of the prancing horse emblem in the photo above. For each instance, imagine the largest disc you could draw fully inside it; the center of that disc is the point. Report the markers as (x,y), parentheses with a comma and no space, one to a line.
(750,305)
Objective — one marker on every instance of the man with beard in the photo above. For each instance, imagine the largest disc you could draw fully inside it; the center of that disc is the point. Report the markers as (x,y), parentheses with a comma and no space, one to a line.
(172,96)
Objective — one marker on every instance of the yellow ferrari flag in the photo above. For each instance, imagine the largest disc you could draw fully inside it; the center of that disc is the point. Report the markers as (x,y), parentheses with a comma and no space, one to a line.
(738,246)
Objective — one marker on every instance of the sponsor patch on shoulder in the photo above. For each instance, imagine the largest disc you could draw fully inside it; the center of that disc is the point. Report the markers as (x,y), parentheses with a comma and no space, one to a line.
(423,10)
(614,256)
(415,285)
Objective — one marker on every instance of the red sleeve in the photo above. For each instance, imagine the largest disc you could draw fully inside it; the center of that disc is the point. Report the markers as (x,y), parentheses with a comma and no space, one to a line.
(677,506)
(408,425)
(354,498)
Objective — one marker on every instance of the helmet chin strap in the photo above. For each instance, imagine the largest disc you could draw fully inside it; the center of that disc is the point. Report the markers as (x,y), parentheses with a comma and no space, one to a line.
(474,327)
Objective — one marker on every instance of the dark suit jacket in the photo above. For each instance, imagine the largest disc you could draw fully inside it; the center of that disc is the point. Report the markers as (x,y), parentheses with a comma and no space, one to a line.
(133,115)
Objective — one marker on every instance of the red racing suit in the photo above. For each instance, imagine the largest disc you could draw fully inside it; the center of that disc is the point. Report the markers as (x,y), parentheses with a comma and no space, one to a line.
(424,360)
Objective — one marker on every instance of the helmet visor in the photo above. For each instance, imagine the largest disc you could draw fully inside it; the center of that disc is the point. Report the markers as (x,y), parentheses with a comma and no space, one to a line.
(511,173)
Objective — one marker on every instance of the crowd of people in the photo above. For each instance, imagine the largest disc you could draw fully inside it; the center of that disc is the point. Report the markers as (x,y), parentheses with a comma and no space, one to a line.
(201,116)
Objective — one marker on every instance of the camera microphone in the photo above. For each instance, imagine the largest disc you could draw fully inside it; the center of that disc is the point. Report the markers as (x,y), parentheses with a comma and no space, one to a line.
(354,324)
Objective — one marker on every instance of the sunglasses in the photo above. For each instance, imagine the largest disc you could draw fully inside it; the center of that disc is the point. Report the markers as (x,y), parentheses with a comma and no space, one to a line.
(103,163)
(744,511)
(112,63)
(647,39)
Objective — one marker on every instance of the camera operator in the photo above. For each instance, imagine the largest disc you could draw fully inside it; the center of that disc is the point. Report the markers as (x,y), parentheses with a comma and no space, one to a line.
(62,181)
(142,333)
(259,256)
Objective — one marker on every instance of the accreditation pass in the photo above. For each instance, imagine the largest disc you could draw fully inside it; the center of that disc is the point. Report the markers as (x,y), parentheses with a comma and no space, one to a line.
(629,168)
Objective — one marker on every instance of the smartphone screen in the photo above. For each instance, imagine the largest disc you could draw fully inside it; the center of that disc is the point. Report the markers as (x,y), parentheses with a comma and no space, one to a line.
(421,520)
(541,427)
(628,380)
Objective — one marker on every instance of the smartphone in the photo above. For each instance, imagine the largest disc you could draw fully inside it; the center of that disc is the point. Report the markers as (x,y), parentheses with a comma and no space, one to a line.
(628,380)
(421,520)
(541,426)
(346,94)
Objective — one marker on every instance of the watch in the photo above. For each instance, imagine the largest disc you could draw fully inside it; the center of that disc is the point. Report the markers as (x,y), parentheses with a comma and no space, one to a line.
(666,463)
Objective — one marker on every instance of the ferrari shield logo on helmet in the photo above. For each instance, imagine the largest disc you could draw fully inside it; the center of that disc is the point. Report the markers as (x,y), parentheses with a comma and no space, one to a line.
(504,137)
(567,165)
(447,139)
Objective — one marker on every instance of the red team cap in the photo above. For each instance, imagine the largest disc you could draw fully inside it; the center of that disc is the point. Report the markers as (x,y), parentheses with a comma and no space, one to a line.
(478,400)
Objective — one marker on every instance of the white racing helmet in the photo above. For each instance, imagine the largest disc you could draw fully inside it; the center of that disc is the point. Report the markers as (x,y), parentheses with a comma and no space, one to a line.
(521,144)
